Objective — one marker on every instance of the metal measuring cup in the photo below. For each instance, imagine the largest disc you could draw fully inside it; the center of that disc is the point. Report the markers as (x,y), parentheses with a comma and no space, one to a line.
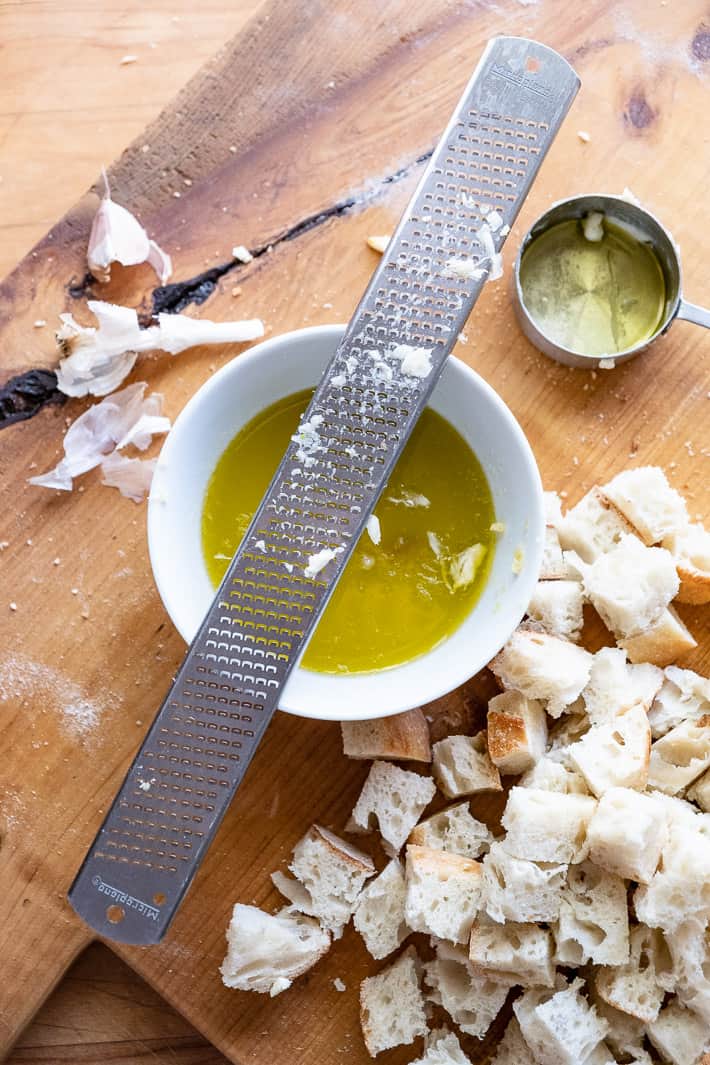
(648,229)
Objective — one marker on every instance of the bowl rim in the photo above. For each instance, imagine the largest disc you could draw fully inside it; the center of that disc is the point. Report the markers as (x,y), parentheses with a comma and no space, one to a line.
(165,580)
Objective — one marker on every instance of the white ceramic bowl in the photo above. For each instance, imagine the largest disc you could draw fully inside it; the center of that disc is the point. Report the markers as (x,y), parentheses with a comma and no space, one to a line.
(287,364)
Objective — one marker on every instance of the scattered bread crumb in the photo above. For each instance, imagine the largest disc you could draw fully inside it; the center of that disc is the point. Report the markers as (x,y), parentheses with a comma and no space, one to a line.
(379,243)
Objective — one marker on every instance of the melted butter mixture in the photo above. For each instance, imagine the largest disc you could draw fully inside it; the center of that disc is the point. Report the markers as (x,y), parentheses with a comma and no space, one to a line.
(598,294)
(398,599)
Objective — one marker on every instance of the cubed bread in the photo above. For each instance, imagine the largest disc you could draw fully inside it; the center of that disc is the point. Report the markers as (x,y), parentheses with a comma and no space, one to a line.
(631,585)
(684,695)
(568,730)
(543,826)
(592,527)
(543,667)
(689,947)
(627,834)
(556,605)
(690,548)
(297,895)
(454,830)
(645,498)
(594,921)
(402,736)
(392,1005)
(443,893)
(625,1034)
(462,766)
(516,889)
(560,1028)
(333,873)
(700,791)
(615,755)
(392,799)
(553,566)
(664,641)
(512,952)
(615,685)
(442,1048)
(512,1049)
(266,952)
(551,775)
(379,911)
(472,1000)
(517,732)
(681,756)
(552,505)
(679,1035)
(680,889)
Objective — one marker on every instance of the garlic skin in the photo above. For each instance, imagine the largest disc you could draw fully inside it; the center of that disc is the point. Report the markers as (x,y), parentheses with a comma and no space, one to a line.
(118,237)
(126,417)
(97,359)
(132,477)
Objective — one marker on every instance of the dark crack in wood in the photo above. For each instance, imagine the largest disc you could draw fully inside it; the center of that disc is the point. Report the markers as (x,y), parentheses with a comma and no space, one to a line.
(26,394)
(175,297)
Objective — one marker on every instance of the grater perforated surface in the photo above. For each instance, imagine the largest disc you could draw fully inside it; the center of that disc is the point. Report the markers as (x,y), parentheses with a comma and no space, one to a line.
(361,415)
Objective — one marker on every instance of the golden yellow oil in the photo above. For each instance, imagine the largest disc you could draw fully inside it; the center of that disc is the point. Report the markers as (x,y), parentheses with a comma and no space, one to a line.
(593,297)
(395,600)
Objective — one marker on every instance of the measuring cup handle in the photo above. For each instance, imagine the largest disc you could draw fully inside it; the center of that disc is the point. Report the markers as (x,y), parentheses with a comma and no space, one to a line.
(691,312)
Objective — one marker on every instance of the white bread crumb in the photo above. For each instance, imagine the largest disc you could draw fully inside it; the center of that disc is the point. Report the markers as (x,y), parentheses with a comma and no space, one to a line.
(379,911)
(443,893)
(462,766)
(543,667)
(393,800)
(471,1000)
(544,826)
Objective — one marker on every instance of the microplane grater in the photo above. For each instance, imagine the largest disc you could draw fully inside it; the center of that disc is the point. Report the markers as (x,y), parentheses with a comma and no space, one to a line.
(376,386)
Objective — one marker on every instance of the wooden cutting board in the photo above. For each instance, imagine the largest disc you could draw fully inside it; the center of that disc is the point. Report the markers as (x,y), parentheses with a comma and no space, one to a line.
(304,136)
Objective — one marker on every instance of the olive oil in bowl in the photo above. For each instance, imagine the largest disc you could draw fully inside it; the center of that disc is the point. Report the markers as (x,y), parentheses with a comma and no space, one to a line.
(398,598)
(592,287)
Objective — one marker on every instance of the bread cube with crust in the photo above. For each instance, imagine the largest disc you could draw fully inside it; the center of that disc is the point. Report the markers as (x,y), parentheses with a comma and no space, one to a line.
(681,756)
(561,1028)
(472,1000)
(453,829)
(690,548)
(556,606)
(627,834)
(615,685)
(543,826)
(593,526)
(512,952)
(680,889)
(647,501)
(679,1035)
(392,799)
(517,732)
(462,766)
(333,873)
(443,893)
(615,755)
(662,642)
(399,737)
(516,889)
(683,696)
(543,667)
(631,585)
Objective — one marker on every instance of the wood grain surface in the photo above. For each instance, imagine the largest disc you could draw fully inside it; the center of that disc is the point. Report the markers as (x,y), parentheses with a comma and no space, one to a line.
(304,136)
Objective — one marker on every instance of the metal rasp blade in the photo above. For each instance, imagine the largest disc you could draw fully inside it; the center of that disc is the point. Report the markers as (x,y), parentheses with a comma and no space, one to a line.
(376,386)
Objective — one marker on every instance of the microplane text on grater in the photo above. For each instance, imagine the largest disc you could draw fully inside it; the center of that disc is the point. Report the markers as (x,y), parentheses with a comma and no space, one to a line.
(363,411)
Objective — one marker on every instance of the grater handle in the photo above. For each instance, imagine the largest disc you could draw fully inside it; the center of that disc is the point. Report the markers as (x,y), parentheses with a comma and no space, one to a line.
(199,747)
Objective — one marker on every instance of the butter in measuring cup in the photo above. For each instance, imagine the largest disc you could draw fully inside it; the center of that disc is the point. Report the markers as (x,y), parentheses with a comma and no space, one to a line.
(592,286)
(412,579)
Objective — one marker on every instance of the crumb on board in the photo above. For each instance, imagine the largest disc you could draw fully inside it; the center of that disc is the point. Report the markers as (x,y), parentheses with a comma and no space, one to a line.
(242,253)
(339,985)
(379,242)
(584,136)
(607,364)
